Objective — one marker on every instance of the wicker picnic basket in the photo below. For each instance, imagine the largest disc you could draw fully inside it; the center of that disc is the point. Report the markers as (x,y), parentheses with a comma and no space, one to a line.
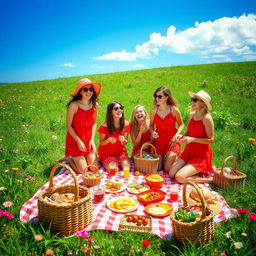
(90,182)
(225,180)
(198,232)
(67,218)
(146,165)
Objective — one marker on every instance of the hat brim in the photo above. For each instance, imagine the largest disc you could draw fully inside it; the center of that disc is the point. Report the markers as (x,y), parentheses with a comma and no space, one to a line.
(214,207)
(96,86)
(208,105)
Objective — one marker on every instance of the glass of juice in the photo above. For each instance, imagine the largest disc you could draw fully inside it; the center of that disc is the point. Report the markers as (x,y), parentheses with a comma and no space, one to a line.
(112,169)
(98,193)
(126,172)
(174,195)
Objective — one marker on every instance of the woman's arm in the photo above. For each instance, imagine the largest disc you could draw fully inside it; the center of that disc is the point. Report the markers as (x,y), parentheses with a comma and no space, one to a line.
(179,120)
(70,115)
(94,129)
(105,141)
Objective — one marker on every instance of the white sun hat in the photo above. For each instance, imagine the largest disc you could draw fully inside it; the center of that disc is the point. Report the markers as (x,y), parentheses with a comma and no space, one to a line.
(204,96)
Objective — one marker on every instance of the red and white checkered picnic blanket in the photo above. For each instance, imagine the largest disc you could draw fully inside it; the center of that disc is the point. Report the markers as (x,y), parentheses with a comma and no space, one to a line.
(105,219)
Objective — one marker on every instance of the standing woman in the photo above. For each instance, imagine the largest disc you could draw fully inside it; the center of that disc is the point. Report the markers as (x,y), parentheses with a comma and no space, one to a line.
(140,129)
(195,163)
(113,138)
(163,119)
(81,125)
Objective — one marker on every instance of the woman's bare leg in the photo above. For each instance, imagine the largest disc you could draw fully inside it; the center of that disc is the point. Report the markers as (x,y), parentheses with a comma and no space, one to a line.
(169,161)
(92,159)
(80,164)
(176,167)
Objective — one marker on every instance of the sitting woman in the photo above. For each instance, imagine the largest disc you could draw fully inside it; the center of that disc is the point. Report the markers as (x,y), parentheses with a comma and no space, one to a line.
(195,162)
(113,138)
(163,120)
(82,111)
(140,131)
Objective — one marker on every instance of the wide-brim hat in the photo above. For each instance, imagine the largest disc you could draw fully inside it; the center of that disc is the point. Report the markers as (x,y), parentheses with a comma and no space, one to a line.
(204,96)
(84,83)
(214,205)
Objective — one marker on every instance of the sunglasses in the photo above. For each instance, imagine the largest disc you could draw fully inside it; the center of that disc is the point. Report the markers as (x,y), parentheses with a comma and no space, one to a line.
(90,89)
(159,96)
(117,108)
(195,99)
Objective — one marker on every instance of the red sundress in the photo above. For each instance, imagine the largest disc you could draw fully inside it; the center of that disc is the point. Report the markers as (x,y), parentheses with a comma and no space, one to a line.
(197,154)
(145,137)
(115,151)
(82,124)
(166,129)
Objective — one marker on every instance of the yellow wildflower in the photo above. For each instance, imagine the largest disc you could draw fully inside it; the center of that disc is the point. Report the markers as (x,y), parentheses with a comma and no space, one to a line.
(15,168)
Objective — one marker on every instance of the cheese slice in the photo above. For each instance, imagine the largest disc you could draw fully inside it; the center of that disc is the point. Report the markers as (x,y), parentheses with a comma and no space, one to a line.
(157,210)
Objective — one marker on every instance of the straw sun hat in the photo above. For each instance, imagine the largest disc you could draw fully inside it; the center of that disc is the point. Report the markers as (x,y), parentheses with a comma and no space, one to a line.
(84,83)
(211,200)
(204,96)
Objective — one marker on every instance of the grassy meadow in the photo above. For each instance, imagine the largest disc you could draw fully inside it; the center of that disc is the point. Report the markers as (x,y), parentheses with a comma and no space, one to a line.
(32,137)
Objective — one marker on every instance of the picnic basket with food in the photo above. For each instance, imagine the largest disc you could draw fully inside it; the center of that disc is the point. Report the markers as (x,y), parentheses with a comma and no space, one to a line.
(146,163)
(193,223)
(225,177)
(153,195)
(91,179)
(66,208)
(155,180)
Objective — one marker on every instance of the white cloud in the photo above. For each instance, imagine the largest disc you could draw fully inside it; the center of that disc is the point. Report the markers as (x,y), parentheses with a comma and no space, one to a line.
(249,57)
(211,38)
(137,66)
(68,64)
(228,59)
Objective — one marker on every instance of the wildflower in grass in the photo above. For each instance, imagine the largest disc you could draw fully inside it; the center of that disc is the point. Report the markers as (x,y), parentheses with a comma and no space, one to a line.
(1,147)
(38,238)
(243,234)
(6,214)
(237,142)
(96,247)
(7,204)
(252,216)
(146,243)
(49,252)
(15,169)
(82,234)
(54,137)
(251,139)
(2,188)
(28,177)
(19,181)
(238,245)
(242,211)
(223,254)
(228,234)
(6,170)
(69,253)
(90,240)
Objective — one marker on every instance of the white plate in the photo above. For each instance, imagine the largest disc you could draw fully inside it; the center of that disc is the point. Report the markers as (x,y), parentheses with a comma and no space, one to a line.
(133,190)
(130,209)
(122,188)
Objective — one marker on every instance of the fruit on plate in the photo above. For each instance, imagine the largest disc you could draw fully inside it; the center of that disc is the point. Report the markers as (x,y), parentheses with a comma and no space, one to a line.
(92,175)
(113,186)
(123,204)
(137,187)
(155,178)
(150,196)
(139,220)
(137,173)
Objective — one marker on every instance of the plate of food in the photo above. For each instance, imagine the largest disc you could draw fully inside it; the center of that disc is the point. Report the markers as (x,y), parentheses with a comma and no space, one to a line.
(136,188)
(122,204)
(114,187)
(158,209)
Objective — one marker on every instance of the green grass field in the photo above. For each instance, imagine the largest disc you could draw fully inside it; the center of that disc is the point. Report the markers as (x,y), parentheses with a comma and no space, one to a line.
(31,113)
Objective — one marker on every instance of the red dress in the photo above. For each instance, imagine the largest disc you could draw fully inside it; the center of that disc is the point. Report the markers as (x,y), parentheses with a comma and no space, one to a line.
(82,124)
(145,137)
(166,129)
(113,151)
(197,154)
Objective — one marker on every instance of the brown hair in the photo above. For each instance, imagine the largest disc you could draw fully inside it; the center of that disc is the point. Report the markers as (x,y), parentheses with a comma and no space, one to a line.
(171,100)
(134,122)
(110,119)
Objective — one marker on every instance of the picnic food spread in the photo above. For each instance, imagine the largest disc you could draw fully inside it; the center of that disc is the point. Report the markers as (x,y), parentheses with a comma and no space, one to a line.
(61,199)
(155,177)
(159,209)
(92,175)
(189,215)
(122,204)
(114,186)
(136,188)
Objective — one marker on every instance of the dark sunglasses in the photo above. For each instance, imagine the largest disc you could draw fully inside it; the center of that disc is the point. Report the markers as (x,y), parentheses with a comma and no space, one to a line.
(159,96)
(117,108)
(90,89)
(195,99)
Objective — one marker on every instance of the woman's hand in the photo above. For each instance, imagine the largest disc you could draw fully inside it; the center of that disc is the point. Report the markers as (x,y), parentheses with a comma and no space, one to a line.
(112,140)
(81,146)
(155,135)
(174,141)
(186,139)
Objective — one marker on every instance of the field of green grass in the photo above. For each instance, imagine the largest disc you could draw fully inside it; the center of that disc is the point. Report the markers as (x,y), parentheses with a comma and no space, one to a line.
(32,137)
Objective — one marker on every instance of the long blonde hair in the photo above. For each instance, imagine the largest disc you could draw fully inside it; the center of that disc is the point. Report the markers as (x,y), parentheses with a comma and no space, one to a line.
(134,123)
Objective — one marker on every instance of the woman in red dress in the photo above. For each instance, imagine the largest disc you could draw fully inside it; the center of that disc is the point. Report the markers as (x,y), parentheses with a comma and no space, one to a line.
(140,129)
(113,138)
(163,119)
(82,113)
(195,162)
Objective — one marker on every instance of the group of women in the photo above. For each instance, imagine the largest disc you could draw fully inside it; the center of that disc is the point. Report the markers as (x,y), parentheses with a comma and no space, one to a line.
(163,130)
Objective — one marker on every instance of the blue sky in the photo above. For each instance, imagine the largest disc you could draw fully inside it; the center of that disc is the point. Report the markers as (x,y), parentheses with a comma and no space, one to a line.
(46,39)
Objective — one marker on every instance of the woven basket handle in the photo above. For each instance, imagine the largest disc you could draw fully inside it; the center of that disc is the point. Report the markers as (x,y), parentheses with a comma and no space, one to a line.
(234,161)
(91,165)
(146,145)
(199,192)
(73,176)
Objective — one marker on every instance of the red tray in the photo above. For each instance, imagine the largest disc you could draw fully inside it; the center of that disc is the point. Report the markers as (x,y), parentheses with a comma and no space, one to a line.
(146,202)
